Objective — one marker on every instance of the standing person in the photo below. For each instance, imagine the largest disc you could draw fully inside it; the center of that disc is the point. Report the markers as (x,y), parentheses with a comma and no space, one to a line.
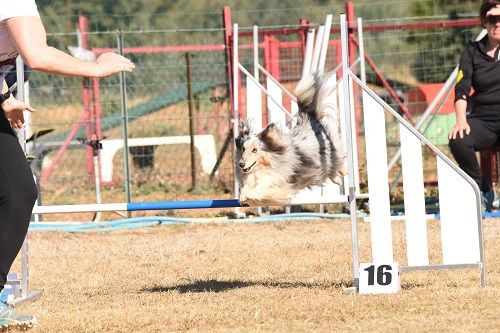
(22,33)
(480,129)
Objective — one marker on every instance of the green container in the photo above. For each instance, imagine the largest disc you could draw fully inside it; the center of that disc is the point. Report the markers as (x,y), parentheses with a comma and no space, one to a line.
(437,127)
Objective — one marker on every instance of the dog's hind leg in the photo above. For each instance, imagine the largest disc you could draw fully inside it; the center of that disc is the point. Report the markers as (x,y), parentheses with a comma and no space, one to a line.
(339,172)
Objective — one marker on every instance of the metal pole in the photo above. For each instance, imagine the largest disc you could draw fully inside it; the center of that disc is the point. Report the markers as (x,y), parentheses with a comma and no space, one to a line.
(191,119)
(97,173)
(324,43)
(236,79)
(317,49)
(361,49)
(124,111)
(256,52)
(350,149)
(306,67)
(22,141)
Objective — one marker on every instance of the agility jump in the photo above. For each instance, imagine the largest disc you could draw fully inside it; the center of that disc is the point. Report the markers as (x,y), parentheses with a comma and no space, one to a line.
(459,197)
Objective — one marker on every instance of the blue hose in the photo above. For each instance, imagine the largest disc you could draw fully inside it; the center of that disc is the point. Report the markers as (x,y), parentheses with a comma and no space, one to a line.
(149,221)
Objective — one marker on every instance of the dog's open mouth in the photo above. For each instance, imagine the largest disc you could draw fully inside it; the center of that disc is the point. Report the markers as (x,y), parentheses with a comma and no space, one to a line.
(246,170)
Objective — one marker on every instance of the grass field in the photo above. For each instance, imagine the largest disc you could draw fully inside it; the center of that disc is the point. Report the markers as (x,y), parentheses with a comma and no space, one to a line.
(243,277)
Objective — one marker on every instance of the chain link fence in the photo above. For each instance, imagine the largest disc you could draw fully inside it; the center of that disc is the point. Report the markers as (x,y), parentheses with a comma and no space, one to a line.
(179,90)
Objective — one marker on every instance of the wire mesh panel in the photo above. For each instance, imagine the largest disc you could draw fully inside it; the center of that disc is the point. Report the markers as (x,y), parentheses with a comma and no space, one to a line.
(170,100)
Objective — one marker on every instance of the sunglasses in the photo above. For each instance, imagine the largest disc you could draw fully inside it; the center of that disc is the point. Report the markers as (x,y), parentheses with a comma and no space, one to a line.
(492,19)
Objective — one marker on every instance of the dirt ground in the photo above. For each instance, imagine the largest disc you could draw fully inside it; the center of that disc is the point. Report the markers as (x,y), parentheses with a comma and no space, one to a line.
(246,277)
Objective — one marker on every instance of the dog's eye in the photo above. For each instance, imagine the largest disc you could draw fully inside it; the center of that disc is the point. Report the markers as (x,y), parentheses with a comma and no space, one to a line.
(254,150)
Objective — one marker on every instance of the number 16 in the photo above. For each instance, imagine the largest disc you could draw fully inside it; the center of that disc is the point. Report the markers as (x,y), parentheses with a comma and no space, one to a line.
(384,276)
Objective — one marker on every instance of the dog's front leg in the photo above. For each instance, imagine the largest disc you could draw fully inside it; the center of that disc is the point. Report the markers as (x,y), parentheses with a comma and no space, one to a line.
(252,195)
(245,193)
(266,196)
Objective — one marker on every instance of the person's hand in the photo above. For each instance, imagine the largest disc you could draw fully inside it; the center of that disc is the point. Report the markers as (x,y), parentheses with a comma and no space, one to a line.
(13,110)
(110,63)
(460,128)
(494,11)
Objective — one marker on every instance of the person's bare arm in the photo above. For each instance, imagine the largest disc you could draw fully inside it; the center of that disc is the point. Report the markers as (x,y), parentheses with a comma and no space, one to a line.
(29,35)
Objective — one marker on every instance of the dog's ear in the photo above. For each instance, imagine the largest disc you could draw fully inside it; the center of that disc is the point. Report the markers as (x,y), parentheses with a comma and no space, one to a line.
(270,129)
(271,137)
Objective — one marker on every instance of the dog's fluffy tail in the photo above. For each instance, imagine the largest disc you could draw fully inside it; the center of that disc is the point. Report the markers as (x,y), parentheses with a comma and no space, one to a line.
(315,95)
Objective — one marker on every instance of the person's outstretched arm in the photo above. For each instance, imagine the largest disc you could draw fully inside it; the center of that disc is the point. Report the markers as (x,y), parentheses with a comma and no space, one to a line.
(28,33)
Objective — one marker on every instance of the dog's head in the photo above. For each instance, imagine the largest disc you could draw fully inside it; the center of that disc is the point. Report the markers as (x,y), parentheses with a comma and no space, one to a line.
(257,150)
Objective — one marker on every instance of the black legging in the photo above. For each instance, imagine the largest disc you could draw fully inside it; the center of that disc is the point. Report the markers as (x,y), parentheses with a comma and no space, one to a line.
(483,134)
(18,194)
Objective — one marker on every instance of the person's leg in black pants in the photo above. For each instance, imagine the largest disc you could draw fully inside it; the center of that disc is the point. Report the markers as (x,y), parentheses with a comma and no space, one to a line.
(18,194)
(483,135)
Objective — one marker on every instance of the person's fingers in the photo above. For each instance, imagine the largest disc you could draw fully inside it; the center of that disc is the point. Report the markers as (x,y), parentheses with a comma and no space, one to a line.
(127,65)
(111,63)
(30,108)
(461,133)
(467,130)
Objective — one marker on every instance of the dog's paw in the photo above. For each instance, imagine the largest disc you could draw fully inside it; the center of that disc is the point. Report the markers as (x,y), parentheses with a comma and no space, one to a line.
(248,197)
(253,202)
(243,198)
(337,180)
(343,170)
(244,195)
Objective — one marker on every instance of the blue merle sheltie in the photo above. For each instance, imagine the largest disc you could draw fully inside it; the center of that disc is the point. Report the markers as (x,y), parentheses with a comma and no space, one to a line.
(275,164)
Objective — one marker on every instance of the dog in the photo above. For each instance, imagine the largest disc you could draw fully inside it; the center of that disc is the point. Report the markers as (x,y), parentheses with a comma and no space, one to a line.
(275,164)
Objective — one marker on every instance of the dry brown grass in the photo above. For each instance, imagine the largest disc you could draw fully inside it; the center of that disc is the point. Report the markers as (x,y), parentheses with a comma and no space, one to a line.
(279,277)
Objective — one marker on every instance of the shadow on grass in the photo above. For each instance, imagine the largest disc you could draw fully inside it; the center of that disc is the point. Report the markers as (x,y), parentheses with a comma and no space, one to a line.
(408,286)
(201,286)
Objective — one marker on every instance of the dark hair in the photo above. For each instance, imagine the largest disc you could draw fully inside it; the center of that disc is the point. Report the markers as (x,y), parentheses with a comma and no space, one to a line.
(485,7)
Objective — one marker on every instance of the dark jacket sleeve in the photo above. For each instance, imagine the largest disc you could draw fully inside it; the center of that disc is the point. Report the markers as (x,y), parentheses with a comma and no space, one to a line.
(464,77)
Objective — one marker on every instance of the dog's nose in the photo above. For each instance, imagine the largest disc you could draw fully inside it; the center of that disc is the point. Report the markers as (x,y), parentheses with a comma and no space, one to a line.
(242,165)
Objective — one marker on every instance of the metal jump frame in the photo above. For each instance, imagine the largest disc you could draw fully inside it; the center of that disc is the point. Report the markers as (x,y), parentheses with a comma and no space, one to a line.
(21,285)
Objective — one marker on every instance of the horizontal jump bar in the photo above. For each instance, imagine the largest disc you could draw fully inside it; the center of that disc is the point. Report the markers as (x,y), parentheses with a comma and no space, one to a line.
(165,205)
(136,206)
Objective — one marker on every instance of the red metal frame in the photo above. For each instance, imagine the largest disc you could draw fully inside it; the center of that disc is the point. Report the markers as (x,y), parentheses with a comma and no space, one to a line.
(162,49)
(228,33)
(270,45)
(87,95)
(90,115)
